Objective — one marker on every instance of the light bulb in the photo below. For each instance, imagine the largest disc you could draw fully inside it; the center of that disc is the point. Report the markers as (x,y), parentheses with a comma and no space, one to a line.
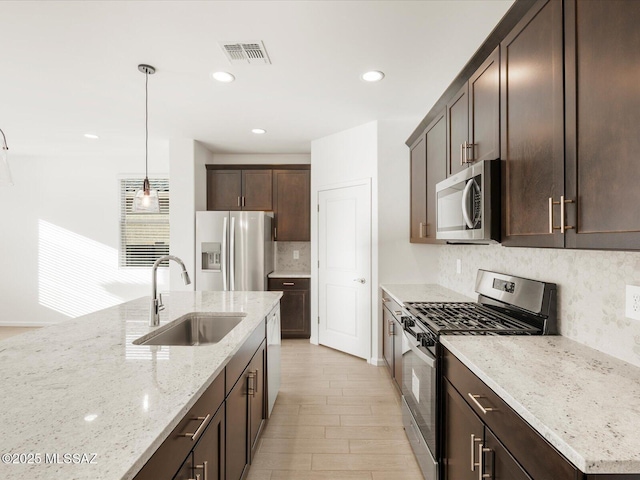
(146,200)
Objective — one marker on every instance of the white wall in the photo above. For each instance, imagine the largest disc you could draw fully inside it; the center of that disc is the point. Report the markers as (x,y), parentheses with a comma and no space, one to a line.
(261,158)
(60,232)
(342,157)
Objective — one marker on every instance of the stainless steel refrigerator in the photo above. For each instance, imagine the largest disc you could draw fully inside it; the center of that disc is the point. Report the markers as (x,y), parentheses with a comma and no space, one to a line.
(234,250)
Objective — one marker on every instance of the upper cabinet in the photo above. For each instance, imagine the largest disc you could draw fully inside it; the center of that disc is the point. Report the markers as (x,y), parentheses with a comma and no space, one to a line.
(292,204)
(235,189)
(473,118)
(602,114)
(532,131)
(428,167)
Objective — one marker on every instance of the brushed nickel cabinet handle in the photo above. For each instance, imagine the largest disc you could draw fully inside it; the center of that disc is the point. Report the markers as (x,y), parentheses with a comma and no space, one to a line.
(238,201)
(469,146)
(289,284)
(420,230)
(204,469)
(199,429)
(481,451)
(243,200)
(252,383)
(474,440)
(550,214)
(482,409)
(461,154)
(564,227)
(275,233)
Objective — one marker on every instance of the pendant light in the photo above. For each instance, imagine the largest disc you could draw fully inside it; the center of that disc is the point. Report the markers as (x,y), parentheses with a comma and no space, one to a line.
(5,173)
(146,199)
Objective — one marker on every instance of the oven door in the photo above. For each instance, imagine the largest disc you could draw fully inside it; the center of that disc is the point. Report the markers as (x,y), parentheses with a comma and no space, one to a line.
(419,385)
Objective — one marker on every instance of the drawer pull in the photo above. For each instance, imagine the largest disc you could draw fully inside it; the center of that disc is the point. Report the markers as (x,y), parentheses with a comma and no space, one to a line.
(482,409)
(288,284)
(481,451)
(252,386)
(197,432)
(204,469)
(474,440)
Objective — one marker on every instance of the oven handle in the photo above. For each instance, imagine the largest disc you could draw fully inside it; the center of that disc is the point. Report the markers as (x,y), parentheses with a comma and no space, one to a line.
(424,356)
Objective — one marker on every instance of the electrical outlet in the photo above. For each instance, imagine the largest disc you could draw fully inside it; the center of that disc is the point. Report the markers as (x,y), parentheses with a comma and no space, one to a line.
(632,308)
(458,266)
(296,254)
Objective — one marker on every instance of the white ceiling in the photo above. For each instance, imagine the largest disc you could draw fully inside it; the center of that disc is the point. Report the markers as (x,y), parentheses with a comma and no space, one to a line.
(70,67)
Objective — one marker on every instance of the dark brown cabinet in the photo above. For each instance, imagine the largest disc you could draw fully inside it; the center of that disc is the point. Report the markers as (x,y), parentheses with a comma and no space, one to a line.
(473,118)
(235,189)
(483,435)
(295,308)
(292,205)
(428,167)
(532,126)
(256,380)
(602,115)
(392,338)
(209,453)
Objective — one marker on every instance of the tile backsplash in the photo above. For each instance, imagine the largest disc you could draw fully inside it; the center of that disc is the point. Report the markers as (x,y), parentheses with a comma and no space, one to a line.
(284,260)
(591,288)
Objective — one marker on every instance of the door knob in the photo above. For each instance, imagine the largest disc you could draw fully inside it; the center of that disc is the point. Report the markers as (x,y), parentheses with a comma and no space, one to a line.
(360,280)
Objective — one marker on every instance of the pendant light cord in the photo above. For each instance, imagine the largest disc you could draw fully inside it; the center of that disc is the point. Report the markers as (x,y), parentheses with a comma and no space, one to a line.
(146,125)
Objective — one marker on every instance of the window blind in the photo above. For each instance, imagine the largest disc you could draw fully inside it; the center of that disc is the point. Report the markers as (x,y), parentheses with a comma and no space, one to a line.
(143,236)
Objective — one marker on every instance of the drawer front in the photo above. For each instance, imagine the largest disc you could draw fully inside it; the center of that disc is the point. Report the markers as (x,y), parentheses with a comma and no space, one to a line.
(289,284)
(525,444)
(392,305)
(173,451)
(243,356)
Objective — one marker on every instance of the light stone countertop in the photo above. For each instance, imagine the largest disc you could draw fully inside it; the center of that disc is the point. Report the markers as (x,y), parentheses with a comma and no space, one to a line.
(423,293)
(289,274)
(81,386)
(584,402)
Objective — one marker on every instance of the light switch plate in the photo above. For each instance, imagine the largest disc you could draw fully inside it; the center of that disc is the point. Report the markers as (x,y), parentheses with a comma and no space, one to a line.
(296,254)
(632,308)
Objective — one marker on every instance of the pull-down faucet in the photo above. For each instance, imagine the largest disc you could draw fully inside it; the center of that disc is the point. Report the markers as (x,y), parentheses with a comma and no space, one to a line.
(156,300)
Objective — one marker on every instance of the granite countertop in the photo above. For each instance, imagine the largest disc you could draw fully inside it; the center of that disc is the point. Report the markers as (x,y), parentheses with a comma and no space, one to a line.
(584,402)
(82,387)
(289,274)
(402,293)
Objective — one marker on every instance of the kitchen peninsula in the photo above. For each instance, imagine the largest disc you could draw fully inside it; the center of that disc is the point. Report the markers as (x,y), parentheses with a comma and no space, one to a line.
(83,387)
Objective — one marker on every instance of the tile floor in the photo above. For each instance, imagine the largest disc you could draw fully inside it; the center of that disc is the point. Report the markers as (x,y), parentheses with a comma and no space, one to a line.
(336,417)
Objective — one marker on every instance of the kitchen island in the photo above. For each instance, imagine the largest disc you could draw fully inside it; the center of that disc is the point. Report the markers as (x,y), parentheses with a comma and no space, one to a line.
(81,401)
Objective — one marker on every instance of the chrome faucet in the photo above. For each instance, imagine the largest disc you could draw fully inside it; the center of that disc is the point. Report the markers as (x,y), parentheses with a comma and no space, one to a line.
(156,300)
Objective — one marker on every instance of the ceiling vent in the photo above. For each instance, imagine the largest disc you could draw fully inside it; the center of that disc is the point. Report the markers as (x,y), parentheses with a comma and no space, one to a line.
(252,53)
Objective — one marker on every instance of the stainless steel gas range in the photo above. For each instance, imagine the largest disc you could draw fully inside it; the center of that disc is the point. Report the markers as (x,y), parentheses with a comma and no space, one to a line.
(507,305)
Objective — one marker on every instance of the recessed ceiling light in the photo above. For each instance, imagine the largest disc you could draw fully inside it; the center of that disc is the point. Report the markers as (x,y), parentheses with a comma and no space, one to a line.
(91,417)
(224,77)
(258,131)
(372,76)
(92,136)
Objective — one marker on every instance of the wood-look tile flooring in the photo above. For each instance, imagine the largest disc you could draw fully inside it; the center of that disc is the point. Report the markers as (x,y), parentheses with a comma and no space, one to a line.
(6,332)
(336,417)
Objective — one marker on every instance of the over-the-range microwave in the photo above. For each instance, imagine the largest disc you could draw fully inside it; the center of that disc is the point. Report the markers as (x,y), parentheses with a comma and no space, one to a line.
(468,205)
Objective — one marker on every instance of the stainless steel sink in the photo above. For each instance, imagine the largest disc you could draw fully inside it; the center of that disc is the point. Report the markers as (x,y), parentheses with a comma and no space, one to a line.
(195,329)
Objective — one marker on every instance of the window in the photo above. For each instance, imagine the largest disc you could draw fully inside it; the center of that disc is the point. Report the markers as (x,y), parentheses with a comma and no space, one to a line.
(143,236)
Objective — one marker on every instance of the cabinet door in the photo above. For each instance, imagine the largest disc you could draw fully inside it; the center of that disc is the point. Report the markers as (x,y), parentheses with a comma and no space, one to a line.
(237,455)
(463,433)
(256,395)
(603,114)
(532,126)
(257,190)
(498,463)
(295,309)
(484,110)
(209,454)
(292,205)
(436,138)
(224,189)
(457,130)
(387,339)
(418,204)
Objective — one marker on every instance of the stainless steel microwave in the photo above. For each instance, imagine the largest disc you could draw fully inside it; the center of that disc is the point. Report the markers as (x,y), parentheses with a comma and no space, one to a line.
(468,205)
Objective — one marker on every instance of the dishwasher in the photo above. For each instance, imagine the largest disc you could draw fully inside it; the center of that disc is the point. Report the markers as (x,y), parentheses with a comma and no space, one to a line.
(273,357)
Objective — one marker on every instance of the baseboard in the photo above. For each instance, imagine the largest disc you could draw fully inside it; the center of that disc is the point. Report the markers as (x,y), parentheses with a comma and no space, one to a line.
(377,362)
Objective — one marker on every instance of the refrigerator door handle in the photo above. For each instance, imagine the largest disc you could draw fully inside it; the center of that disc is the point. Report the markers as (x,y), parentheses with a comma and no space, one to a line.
(232,255)
(223,261)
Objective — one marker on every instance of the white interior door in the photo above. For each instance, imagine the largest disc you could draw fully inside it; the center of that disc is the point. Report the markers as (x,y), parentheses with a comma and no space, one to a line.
(344,273)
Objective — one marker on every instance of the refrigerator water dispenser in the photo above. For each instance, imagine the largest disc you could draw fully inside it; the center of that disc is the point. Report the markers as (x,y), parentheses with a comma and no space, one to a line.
(211,256)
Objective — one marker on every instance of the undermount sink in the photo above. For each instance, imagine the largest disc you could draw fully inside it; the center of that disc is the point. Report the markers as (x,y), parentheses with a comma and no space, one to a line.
(195,329)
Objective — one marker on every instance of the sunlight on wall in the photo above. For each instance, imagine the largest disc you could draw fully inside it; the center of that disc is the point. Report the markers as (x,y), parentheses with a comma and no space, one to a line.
(76,274)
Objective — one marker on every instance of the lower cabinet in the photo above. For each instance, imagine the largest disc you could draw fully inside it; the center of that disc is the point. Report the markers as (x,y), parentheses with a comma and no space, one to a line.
(216,439)
(485,438)
(392,338)
(295,308)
